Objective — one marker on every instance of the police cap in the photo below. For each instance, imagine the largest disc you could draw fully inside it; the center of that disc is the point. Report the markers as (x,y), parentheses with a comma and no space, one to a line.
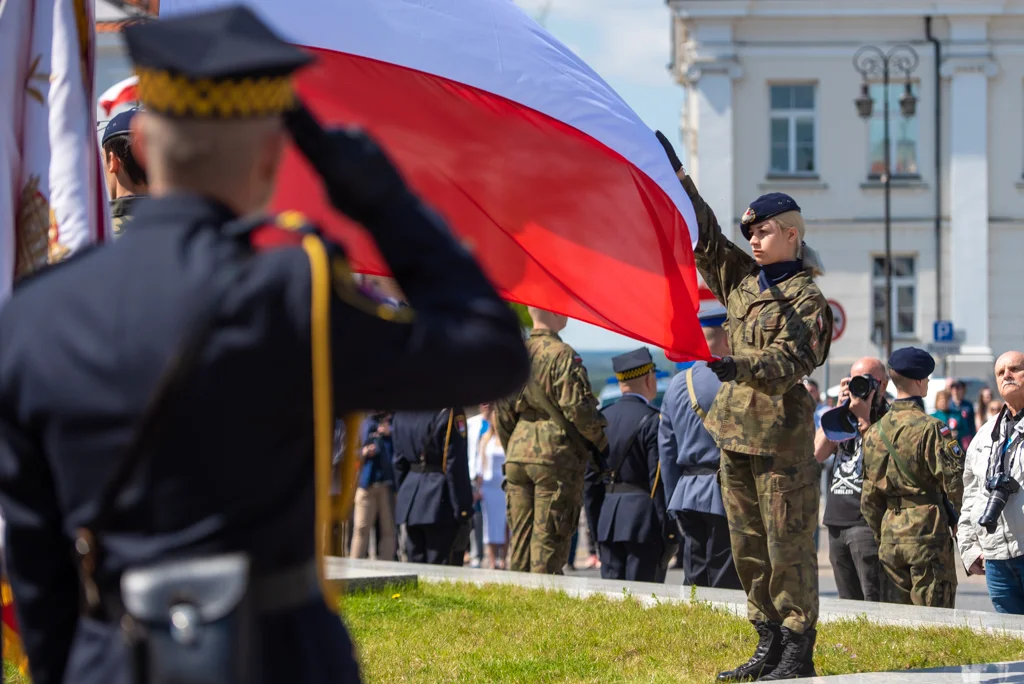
(632,365)
(220,64)
(912,363)
(118,126)
(764,208)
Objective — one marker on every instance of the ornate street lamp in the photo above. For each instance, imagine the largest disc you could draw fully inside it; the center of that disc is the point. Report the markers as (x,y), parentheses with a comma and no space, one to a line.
(873,63)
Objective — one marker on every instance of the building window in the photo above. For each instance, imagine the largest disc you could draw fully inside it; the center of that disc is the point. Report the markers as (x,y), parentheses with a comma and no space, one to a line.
(904,295)
(902,133)
(793,130)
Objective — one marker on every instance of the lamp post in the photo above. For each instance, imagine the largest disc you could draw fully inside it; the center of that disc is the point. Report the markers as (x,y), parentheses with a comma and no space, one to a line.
(872,63)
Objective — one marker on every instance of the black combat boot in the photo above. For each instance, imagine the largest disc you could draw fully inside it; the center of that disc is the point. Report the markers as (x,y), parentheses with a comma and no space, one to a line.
(766,655)
(797,657)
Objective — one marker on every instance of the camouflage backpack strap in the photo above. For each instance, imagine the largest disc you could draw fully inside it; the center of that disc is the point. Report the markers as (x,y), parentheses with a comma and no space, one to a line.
(693,395)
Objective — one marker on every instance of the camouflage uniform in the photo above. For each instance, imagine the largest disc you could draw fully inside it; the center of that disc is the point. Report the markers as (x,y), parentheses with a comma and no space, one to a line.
(905,511)
(122,210)
(764,424)
(543,467)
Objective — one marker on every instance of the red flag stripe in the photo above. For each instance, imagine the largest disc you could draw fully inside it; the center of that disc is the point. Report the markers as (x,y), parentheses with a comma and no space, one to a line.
(557,219)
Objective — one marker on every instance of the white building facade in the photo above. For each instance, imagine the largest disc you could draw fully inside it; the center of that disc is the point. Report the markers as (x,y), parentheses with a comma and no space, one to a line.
(770,107)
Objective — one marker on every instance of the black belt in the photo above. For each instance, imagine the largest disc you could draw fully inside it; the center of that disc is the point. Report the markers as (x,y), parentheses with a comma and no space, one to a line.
(270,592)
(699,470)
(424,468)
(627,488)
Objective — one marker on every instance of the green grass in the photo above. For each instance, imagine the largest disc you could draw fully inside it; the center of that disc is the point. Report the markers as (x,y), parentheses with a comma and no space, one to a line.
(464,633)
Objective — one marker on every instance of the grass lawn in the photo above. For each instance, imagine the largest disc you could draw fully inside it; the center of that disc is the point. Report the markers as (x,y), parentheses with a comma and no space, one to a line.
(464,633)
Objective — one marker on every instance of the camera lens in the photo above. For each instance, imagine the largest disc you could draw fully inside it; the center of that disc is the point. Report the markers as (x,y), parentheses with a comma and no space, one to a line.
(860,387)
(993,509)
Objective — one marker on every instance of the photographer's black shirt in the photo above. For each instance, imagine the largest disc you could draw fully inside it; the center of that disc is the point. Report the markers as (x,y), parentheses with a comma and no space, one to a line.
(842,504)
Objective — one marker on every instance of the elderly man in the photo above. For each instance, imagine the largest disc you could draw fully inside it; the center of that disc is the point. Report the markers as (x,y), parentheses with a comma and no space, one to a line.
(852,548)
(992,519)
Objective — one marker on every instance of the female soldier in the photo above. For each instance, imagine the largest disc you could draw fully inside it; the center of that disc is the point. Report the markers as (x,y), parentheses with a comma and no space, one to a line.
(780,330)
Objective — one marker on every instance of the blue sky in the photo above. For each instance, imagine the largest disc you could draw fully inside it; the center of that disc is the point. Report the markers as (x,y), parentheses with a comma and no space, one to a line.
(628,43)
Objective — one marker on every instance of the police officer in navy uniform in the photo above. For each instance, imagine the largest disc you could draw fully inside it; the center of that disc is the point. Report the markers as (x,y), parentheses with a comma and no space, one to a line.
(637,538)
(435,494)
(83,343)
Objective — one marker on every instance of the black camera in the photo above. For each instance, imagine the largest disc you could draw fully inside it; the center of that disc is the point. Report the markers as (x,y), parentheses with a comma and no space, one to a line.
(862,385)
(1001,486)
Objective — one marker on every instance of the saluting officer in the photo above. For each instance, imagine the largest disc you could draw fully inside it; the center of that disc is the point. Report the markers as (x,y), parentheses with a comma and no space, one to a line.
(780,330)
(228,469)
(637,538)
(911,462)
(435,494)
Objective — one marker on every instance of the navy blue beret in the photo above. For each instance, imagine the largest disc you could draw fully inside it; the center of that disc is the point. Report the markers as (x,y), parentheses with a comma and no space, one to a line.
(764,208)
(839,424)
(912,363)
(632,365)
(119,125)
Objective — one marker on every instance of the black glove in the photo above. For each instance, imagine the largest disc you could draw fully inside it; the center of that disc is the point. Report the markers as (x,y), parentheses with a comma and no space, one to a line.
(359,177)
(461,542)
(724,368)
(670,151)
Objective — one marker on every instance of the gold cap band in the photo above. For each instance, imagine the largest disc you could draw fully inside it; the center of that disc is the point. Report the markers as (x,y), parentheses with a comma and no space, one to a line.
(166,93)
(635,373)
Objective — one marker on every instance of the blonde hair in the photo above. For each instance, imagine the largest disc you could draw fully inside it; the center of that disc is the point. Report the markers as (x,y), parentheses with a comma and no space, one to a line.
(811,258)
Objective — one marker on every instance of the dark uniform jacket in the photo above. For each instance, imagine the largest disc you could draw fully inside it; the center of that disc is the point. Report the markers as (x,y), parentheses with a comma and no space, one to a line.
(431,490)
(83,343)
(629,513)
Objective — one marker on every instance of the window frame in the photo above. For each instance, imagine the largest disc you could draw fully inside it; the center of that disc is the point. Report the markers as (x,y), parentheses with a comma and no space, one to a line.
(895,115)
(792,115)
(897,281)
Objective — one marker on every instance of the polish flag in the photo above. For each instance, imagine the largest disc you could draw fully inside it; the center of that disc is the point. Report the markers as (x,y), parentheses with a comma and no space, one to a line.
(117,98)
(559,189)
(52,195)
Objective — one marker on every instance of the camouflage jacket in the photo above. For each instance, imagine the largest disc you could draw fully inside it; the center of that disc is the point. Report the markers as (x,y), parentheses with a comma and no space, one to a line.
(777,337)
(122,210)
(902,507)
(527,432)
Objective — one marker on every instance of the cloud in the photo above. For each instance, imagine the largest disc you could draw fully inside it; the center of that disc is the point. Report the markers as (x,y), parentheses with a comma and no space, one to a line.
(630,38)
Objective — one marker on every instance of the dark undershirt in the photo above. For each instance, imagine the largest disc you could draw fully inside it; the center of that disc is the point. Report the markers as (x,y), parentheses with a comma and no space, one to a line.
(773,274)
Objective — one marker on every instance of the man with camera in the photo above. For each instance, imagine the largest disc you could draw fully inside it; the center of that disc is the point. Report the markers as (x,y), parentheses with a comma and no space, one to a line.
(913,484)
(992,520)
(852,548)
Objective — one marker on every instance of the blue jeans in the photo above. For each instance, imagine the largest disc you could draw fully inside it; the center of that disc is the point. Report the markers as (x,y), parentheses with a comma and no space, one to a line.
(1005,580)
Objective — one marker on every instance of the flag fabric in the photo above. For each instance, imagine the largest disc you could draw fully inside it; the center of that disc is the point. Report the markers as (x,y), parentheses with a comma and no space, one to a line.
(52,195)
(119,97)
(562,193)
(13,650)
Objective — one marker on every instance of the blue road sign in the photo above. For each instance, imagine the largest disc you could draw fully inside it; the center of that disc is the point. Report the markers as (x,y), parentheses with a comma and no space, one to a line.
(942,331)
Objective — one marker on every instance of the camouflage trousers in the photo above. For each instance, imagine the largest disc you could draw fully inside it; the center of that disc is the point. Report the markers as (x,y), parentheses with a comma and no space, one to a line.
(773,512)
(543,504)
(920,573)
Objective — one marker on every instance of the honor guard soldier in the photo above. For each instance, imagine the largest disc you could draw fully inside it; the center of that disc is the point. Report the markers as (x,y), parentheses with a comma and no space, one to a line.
(913,488)
(159,419)
(126,179)
(637,538)
(780,330)
(435,494)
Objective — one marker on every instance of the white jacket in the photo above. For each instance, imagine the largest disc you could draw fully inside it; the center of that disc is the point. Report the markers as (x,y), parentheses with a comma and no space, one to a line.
(974,540)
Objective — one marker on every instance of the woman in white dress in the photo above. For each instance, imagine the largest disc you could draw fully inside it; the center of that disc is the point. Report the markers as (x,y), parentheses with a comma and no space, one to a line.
(488,459)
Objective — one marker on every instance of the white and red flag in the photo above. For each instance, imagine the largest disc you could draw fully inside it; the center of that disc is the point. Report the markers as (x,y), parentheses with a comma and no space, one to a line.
(564,195)
(52,195)
(118,98)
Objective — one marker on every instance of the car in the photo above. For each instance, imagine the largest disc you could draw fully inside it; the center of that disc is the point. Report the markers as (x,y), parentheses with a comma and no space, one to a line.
(611,393)
(974,386)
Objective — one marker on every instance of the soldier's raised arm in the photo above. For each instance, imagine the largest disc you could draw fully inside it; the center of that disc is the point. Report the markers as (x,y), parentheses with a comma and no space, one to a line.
(872,501)
(805,334)
(722,264)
